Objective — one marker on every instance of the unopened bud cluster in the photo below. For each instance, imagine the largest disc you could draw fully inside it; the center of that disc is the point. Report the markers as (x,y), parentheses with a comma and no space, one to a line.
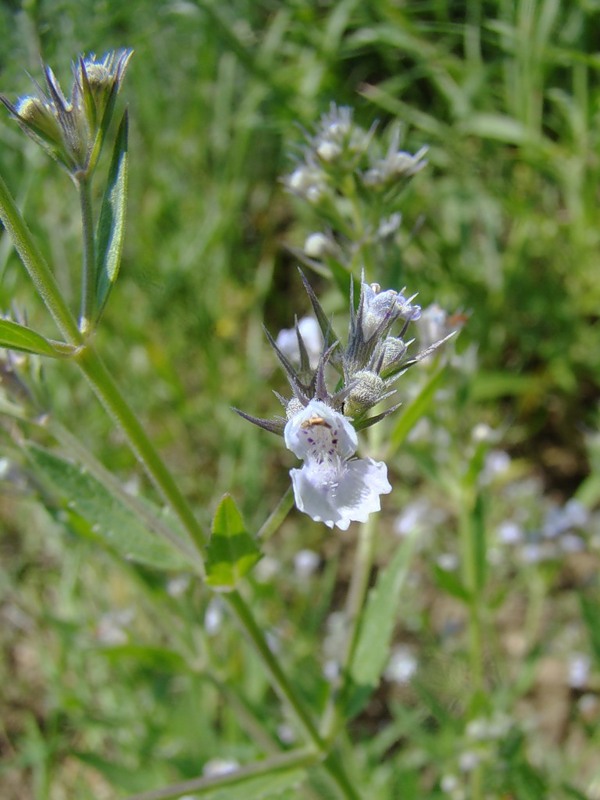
(71,128)
(347,174)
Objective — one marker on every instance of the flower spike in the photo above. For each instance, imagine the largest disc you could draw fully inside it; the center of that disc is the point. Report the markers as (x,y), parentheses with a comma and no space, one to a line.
(333,486)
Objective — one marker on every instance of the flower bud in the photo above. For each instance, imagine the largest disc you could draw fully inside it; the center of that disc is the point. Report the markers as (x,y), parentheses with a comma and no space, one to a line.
(366,393)
(394,350)
(39,117)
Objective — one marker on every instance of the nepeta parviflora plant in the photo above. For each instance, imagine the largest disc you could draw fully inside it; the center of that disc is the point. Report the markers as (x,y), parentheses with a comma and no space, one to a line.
(338,389)
(334,487)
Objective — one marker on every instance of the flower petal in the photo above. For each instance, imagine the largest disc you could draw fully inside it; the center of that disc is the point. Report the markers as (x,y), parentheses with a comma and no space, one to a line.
(318,432)
(340,494)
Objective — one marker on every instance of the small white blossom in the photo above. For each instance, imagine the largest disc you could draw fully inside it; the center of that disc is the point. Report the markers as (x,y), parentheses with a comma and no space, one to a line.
(219,766)
(328,151)
(396,164)
(306,562)
(482,433)
(448,562)
(307,182)
(316,245)
(287,341)
(402,665)
(213,618)
(389,226)
(332,487)
(178,585)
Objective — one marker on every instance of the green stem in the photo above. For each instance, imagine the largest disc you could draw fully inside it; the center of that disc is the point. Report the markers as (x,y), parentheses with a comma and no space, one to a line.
(469,577)
(88,272)
(279,513)
(286,691)
(286,762)
(355,601)
(37,267)
(107,391)
(475,628)
(359,585)
(242,612)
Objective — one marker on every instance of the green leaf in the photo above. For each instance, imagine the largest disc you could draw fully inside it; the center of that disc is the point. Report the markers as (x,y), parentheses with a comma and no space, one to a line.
(416,409)
(111,225)
(478,532)
(495,126)
(268,778)
(124,778)
(18,337)
(258,787)
(108,518)
(372,649)
(231,552)
(451,583)
(590,612)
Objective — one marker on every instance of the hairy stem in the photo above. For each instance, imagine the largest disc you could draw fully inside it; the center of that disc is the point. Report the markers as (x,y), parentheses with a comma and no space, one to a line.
(295,759)
(279,513)
(88,272)
(36,266)
(287,693)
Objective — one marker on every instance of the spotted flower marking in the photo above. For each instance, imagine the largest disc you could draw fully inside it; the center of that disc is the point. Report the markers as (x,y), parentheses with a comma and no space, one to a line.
(332,487)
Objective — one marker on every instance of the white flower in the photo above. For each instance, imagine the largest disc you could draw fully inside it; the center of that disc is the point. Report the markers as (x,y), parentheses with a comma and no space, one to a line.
(332,487)
(306,562)
(287,341)
(402,665)
(317,245)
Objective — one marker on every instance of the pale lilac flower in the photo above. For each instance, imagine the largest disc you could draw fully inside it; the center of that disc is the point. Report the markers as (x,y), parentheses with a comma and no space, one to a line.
(332,487)
(496,464)
(572,543)
(380,308)
(510,532)
(413,516)
(579,670)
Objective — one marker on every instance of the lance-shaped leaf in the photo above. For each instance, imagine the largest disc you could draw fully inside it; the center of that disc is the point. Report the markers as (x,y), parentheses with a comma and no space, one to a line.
(329,335)
(231,552)
(111,225)
(417,408)
(19,337)
(106,517)
(376,628)
(278,776)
